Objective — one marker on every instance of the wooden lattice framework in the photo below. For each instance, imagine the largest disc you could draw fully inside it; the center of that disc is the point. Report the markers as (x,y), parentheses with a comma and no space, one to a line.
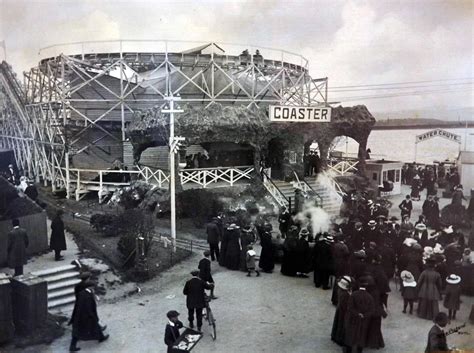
(47,117)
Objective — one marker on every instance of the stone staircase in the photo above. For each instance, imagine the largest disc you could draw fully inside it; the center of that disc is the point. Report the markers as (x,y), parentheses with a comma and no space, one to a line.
(331,201)
(61,281)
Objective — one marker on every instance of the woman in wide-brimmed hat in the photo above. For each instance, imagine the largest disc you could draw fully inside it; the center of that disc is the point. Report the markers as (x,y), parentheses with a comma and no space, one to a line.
(452,299)
(429,291)
(343,293)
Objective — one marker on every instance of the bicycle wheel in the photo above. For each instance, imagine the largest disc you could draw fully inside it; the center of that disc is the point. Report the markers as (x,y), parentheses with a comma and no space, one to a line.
(212,322)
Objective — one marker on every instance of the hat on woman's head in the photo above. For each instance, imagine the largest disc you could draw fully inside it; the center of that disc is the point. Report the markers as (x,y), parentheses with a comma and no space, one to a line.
(416,246)
(448,230)
(233,226)
(453,279)
(408,279)
(344,283)
(304,232)
(438,249)
(372,223)
(246,229)
(360,254)
(420,226)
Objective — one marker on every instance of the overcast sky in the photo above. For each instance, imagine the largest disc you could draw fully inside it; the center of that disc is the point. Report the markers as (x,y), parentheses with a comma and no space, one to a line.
(351,42)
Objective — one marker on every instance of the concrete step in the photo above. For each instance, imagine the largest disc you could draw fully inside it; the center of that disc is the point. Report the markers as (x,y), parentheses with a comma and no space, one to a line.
(54,270)
(70,299)
(60,292)
(63,284)
(63,309)
(61,276)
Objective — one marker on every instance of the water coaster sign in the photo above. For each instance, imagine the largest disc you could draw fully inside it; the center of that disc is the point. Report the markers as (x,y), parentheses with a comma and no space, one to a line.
(438,132)
(299,114)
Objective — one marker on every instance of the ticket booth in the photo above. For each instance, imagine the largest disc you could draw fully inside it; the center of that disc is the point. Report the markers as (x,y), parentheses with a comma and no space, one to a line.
(387,174)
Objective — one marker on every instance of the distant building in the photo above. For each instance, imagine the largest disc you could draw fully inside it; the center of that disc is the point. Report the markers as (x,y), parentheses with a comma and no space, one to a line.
(466,171)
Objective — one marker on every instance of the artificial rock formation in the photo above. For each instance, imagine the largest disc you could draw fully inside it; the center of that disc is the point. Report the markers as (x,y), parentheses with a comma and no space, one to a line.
(252,127)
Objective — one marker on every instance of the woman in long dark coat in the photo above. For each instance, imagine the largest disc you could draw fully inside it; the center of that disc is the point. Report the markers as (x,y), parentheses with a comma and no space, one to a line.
(288,264)
(374,333)
(266,262)
(224,242)
(323,262)
(232,255)
(58,239)
(359,310)
(338,325)
(429,291)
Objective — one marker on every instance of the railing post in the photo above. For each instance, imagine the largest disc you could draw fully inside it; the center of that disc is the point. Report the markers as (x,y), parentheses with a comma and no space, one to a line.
(78,184)
(232,175)
(100,186)
(289,204)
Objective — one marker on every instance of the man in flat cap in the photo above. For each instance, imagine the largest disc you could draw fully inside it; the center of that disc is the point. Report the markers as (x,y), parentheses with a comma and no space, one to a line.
(194,290)
(172,329)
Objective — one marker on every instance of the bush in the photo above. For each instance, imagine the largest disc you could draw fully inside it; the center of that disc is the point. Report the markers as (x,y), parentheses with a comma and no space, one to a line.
(198,204)
(133,224)
(107,224)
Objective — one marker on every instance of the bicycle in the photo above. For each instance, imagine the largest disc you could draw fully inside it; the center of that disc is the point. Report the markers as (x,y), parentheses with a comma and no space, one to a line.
(210,317)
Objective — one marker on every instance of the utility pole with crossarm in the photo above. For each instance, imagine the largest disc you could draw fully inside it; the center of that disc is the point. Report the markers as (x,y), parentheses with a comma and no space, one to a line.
(174,144)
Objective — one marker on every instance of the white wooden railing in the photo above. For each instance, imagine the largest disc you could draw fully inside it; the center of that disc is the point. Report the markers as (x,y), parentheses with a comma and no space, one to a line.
(207,176)
(332,185)
(342,167)
(150,176)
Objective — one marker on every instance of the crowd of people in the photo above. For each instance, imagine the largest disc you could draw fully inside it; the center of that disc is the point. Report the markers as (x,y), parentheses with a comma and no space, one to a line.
(357,259)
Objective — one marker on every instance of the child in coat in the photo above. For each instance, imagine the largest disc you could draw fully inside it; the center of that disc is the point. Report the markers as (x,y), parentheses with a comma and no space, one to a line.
(408,288)
(452,298)
(250,257)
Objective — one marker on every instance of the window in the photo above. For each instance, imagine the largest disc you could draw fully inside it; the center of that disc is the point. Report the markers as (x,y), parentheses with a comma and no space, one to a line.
(397,175)
(374,176)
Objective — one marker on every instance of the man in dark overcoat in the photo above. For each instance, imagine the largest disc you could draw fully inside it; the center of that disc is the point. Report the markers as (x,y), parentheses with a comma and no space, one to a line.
(205,271)
(213,238)
(85,321)
(194,290)
(323,261)
(284,220)
(359,311)
(58,239)
(16,247)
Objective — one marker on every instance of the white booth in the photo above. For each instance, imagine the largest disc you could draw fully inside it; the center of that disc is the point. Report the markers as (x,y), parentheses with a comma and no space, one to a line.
(387,174)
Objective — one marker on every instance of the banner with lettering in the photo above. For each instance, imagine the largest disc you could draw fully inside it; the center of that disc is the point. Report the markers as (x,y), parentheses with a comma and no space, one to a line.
(438,133)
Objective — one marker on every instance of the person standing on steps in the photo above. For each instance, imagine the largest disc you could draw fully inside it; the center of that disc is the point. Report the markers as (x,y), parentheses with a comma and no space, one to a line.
(16,247)
(58,239)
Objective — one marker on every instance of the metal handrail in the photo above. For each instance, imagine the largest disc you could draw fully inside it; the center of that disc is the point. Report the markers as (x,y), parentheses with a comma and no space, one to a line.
(271,186)
(307,189)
